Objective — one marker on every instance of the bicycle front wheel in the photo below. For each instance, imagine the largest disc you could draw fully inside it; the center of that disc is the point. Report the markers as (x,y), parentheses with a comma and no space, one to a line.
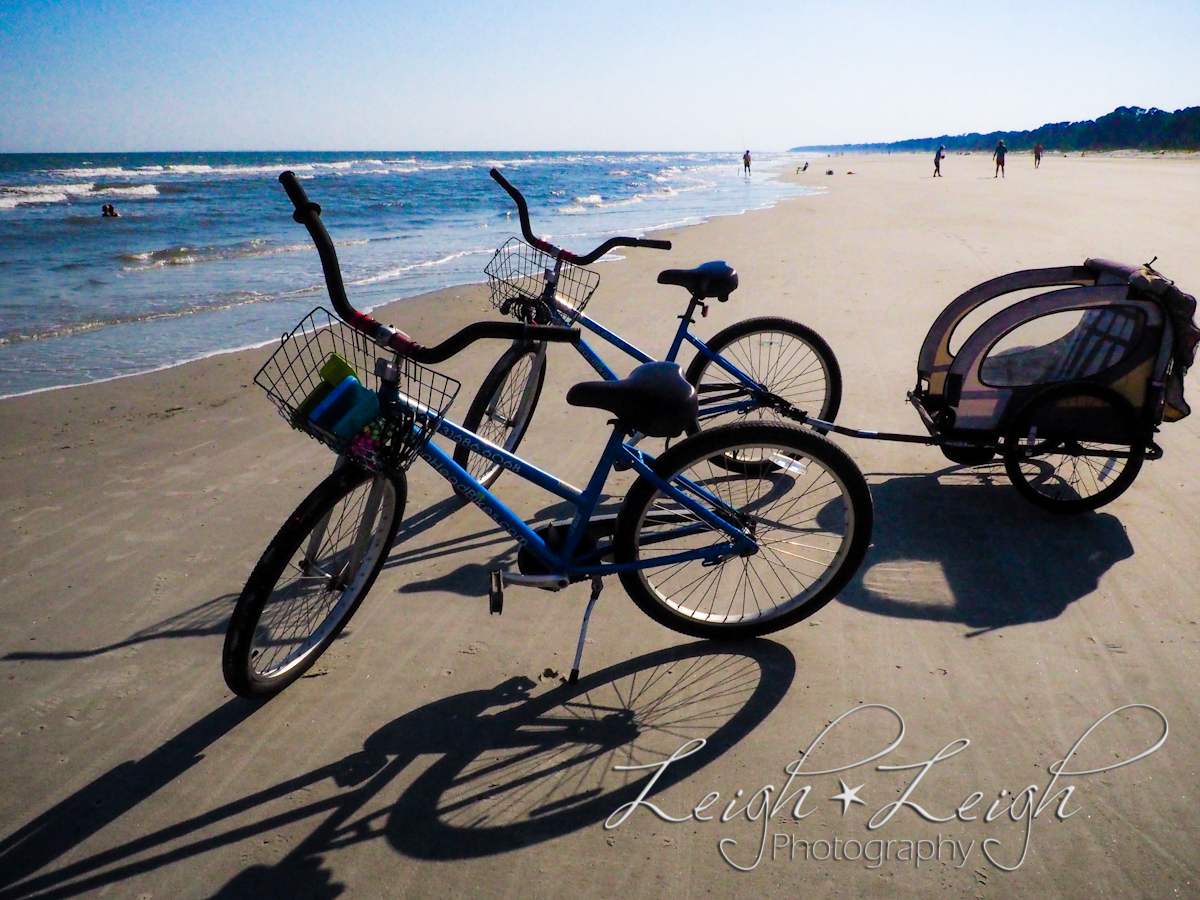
(503,407)
(784,357)
(311,579)
(804,501)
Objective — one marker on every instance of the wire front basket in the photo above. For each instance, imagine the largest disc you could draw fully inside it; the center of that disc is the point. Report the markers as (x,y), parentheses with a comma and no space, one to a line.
(517,276)
(298,377)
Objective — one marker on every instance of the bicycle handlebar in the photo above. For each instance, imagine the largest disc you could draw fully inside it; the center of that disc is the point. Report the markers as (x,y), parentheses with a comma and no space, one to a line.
(509,331)
(308,214)
(559,253)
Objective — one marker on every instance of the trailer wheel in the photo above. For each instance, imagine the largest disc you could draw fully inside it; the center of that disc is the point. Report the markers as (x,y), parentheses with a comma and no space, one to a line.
(1074,447)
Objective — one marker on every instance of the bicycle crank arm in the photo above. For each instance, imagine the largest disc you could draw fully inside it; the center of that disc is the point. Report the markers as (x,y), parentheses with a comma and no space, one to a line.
(497,578)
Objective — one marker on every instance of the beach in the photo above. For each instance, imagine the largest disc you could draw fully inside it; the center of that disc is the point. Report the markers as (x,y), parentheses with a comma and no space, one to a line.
(435,751)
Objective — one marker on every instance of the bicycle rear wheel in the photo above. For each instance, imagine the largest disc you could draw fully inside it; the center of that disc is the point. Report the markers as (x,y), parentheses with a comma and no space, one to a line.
(784,357)
(311,579)
(803,500)
(503,407)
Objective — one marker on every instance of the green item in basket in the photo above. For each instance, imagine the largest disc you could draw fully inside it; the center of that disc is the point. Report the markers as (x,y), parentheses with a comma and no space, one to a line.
(336,370)
(299,418)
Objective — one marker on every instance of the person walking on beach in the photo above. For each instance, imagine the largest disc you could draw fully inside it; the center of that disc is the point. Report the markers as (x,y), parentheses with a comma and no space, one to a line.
(746,162)
(1037,155)
(998,156)
(937,161)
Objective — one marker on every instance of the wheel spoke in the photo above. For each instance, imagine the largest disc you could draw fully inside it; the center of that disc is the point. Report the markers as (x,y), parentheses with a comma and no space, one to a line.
(799,513)
(299,596)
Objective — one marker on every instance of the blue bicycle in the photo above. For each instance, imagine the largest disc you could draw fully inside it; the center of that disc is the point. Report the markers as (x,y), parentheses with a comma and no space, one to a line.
(766,368)
(703,548)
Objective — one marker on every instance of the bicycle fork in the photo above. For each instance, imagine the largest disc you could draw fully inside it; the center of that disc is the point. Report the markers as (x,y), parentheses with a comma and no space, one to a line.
(528,396)
(366,527)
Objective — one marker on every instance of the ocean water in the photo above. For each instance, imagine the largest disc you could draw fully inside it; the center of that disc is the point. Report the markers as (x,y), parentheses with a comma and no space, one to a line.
(205,256)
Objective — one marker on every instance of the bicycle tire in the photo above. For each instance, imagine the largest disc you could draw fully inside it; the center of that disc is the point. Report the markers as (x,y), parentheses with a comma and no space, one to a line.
(787,358)
(285,617)
(818,492)
(1053,467)
(498,408)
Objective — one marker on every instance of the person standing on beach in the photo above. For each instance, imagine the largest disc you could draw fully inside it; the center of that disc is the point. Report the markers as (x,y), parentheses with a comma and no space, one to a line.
(937,161)
(998,156)
(1037,155)
(746,162)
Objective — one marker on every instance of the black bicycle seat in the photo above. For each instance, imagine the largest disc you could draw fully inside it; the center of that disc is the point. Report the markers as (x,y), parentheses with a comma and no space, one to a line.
(655,399)
(713,279)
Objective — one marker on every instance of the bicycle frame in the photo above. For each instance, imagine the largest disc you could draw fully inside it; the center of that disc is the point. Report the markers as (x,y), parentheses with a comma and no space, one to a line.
(708,408)
(563,563)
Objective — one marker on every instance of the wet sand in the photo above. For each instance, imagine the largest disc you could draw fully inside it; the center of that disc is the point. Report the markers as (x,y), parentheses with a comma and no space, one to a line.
(429,753)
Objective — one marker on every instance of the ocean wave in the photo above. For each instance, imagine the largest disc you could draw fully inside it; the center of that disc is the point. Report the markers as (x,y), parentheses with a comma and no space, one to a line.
(216,305)
(398,271)
(594,202)
(516,163)
(187,256)
(125,190)
(21,195)
(91,172)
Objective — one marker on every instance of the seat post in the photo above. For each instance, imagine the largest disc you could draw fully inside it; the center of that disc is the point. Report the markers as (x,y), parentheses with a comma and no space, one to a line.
(685,320)
(591,494)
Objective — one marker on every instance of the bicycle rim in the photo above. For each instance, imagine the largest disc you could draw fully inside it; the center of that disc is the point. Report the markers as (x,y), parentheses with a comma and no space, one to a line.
(786,358)
(804,502)
(317,590)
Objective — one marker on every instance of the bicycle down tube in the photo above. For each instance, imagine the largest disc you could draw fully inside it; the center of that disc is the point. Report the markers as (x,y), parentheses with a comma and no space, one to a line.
(585,501)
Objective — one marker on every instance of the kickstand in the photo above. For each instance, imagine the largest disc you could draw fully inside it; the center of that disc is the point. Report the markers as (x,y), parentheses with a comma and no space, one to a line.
(597,587)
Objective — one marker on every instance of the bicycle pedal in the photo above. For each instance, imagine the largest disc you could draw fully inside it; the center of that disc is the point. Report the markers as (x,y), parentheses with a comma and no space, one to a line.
(495,592)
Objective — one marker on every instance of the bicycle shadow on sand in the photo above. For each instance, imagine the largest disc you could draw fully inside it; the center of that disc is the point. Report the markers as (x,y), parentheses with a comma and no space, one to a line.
(517,766)
(209,618)
(960,545)
(105,800)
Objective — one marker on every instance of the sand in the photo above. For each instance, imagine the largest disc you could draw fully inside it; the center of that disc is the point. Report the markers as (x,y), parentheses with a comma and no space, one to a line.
(430,754)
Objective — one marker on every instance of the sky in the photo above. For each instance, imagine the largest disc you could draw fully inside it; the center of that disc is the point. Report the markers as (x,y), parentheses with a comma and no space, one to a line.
(574,74)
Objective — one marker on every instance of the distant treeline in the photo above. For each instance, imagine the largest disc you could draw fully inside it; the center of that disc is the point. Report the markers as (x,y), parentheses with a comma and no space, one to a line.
(1125,128)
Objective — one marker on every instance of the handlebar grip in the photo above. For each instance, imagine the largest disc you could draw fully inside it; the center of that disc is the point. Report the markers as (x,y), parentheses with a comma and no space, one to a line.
(523,213)
(504,183)
(308,214)
(654,245)
(295,192)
